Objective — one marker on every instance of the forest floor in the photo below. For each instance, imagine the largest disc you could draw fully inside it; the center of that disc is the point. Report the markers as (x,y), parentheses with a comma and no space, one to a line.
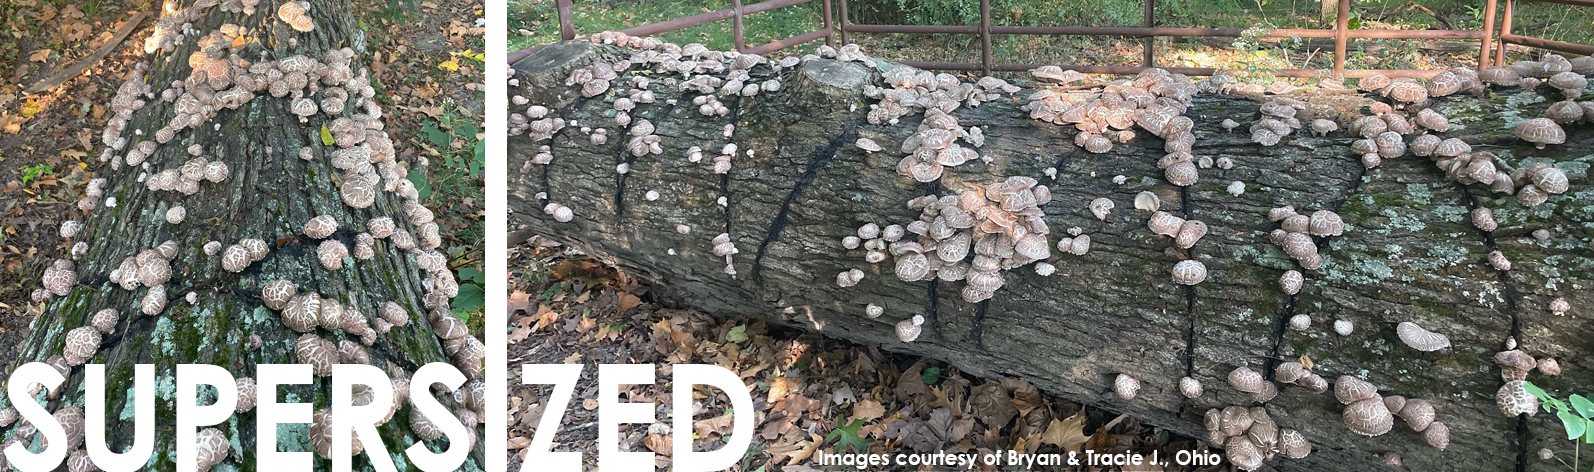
(427,57)
(811,394)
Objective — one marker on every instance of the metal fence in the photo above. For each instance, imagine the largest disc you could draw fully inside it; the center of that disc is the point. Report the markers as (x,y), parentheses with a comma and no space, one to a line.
(1341,33)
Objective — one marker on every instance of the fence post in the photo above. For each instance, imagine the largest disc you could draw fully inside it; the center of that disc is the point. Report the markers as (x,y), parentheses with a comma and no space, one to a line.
(843,24)
(1505,29)
(736,26)
(567,30)
(985,36)
(826,7)
(1149,43)
(1488,35)
(1341,34)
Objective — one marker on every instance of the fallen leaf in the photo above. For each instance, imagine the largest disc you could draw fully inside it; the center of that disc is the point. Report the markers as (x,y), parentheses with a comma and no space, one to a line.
(43,55)
(451,65)
(779,387)
(1068,434)
(627,301)
(868,410)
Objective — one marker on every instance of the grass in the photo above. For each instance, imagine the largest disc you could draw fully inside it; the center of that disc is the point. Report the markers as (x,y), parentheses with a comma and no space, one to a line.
(534,22)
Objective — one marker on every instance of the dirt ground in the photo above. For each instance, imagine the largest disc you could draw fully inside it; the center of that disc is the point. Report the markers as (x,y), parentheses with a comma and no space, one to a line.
(426,54)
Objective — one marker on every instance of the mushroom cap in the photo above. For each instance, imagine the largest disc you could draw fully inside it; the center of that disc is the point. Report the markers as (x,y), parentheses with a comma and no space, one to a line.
(1421,339)
(277,293)
(1513,399)
(320,227)
(1293,444)
(1418,413)
(1189,272)
(1437,435)
(394,314)
(423,427)
(319,353)
(81,344)
(105,322)
(1344,327)
(1189,233)
(1349,389)
(247,394)
(1540,132)
(1190,387)
(302,313)
(1291,282)
(1368,417)
(1246,380)
(1165,223)
(909,329)
(1125,386)
(1549,366)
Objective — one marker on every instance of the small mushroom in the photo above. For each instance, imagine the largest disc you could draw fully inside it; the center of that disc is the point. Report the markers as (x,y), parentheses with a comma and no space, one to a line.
(1368,417)
(1189,272)
(1421,339)
(1125,386)
(1101,207)
(1190,387)
(1513,399)
(1291,282)
(1147,201)
(1300,322)
(909,329)
(320,227)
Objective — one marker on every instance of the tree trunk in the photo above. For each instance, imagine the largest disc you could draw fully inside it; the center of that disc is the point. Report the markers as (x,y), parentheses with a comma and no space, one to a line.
(799,185)
(270,193)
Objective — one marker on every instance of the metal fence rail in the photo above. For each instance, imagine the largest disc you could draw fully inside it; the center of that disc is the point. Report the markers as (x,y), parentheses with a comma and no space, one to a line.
(1340,33)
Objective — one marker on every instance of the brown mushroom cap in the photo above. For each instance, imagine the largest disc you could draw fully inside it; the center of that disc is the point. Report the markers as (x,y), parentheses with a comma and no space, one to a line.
(1368,417)
(1125,386)
(1418,413)
(247,394)
(1349,389)
(1540,132)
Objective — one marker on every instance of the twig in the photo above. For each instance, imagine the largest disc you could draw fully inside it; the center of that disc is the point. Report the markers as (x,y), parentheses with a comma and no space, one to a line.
(84,63)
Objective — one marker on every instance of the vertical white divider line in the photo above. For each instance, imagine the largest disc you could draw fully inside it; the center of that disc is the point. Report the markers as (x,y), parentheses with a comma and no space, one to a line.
(496,253)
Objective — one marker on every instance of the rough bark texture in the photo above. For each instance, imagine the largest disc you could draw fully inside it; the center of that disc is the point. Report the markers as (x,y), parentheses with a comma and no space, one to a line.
(269,195)
(1409,252)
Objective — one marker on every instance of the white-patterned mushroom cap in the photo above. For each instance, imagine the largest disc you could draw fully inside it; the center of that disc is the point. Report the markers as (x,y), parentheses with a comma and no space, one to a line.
(319,353)
(1421,339)
(277,294)
(1418,413)
(394,314)
(380,227)
(350,352)
(1540,132)
(1513,399)
(81,344)
(423,427)
(1190,387)
(1349,389)
(1246,380)
(1125,386)
(331,254)
(1368,417)
(247,394)
(154,301)
(302,313)
(105,322)
(320,227)
(1189,272)
(257,248)
(909,329)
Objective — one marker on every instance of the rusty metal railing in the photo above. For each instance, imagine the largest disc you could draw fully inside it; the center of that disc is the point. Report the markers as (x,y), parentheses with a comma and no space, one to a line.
(1507,38)
(1149,31)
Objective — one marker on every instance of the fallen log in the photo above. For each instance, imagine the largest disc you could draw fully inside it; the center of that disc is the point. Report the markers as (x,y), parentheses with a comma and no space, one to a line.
(798,185)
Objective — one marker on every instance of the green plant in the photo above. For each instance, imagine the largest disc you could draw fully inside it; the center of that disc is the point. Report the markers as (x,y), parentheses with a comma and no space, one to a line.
(34,172)
(1576,414)
(846,437)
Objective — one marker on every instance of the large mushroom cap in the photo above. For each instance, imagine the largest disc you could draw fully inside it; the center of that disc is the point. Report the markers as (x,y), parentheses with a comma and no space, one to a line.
(1540,132)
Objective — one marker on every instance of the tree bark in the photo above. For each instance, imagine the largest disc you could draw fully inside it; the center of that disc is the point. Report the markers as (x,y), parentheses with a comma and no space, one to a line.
(1409,253)
(269,194)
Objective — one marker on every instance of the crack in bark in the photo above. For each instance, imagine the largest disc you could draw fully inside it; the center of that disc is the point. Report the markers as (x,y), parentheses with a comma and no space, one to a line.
(628,159)
(1512,307)
(1280,327)
(817,161)
(979,320)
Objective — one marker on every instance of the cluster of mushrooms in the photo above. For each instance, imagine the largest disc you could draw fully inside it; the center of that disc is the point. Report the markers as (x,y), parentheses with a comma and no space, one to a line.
(1250,437)
(1001,224)
(1295,236)
(323,89)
